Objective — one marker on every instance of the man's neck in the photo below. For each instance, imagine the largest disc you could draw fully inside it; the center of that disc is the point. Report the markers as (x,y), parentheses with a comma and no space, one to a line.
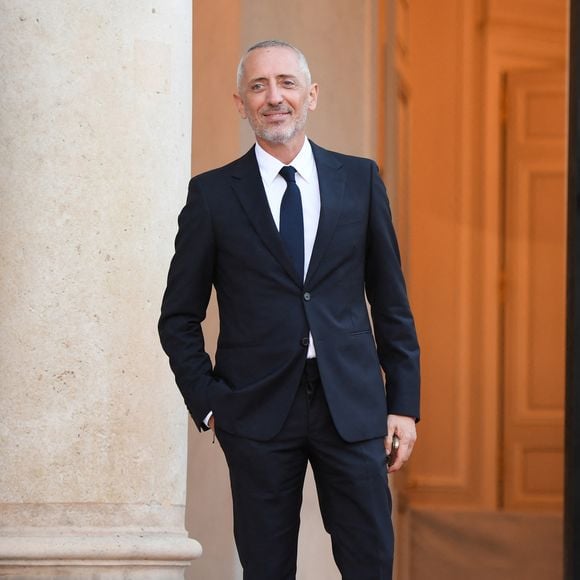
(284,152)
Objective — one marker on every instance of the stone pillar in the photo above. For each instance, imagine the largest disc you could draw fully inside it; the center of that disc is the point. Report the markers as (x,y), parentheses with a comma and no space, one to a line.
(95,116)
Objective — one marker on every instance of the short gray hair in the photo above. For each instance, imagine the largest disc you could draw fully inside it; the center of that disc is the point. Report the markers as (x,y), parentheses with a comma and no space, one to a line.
(302,62)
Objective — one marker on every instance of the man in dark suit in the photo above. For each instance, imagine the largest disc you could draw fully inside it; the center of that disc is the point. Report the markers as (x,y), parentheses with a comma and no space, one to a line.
(292,237)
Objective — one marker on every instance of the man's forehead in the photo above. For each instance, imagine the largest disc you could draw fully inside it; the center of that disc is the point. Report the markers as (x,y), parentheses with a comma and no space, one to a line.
(271,61)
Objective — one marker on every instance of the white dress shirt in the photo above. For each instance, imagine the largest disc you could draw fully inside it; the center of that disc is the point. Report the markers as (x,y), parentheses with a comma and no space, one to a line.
(307,182)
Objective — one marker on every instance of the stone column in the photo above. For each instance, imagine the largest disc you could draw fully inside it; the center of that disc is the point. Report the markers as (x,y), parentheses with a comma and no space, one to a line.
(95,116)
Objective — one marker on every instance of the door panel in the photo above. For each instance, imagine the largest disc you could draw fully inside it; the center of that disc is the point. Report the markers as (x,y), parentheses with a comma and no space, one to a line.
(534,298)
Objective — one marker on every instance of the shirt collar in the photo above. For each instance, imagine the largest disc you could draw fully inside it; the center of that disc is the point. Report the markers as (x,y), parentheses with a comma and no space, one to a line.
(270,166)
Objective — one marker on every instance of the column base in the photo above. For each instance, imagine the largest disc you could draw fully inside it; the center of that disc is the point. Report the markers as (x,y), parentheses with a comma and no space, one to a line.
(119,555)
(94,573)
(143,542)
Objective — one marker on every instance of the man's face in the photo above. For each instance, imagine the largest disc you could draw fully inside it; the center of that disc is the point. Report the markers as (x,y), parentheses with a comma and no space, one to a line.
(274,95)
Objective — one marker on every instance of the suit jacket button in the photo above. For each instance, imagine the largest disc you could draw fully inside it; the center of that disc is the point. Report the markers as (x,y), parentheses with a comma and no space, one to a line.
(305,341)
(307,296)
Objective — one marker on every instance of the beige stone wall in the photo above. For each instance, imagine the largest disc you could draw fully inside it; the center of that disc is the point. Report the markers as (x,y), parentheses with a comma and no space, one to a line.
(95,148)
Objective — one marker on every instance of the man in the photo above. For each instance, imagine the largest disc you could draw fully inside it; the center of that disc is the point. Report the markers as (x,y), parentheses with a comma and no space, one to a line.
(292,236)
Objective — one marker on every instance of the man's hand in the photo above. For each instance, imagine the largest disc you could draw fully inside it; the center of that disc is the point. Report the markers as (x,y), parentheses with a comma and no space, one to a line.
(211,423)
(404,428)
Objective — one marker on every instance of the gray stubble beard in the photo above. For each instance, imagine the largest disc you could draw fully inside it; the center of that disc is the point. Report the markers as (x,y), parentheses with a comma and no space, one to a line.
(276,135)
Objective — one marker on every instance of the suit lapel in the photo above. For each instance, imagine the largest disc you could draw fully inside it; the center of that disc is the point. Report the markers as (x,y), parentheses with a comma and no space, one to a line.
(247,183)
(332,182)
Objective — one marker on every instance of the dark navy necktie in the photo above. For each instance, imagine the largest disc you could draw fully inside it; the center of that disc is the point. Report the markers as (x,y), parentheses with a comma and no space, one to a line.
(291,220)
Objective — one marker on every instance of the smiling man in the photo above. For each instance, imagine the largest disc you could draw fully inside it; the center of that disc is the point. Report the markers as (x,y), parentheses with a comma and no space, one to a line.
(293,237)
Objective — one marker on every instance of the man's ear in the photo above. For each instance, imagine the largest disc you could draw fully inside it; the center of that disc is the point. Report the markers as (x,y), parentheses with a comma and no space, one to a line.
(313,97)
(240,106)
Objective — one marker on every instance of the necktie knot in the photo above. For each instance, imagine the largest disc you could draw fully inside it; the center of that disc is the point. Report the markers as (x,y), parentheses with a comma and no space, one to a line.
(288,173)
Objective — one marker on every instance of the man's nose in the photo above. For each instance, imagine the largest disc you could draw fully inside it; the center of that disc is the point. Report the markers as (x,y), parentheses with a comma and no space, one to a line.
(274,95)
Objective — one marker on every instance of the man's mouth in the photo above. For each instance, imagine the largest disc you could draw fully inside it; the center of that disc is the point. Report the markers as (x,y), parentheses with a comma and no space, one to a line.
(276,115)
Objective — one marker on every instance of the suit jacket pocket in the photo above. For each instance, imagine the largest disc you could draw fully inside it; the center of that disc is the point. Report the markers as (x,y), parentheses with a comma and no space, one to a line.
(357,332)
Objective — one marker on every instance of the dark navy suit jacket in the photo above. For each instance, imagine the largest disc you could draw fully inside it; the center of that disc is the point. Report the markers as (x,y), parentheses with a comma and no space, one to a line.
(227,238)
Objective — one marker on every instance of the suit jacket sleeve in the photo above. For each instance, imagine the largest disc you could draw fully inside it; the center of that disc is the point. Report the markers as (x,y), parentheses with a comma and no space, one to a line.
(185,301)
(394,329)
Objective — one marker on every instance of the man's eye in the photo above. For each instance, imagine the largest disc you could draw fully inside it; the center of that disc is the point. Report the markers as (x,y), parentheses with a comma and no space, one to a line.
(257,87)
(289,83)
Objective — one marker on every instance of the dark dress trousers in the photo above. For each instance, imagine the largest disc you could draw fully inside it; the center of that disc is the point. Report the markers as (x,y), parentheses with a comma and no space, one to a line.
(268,430)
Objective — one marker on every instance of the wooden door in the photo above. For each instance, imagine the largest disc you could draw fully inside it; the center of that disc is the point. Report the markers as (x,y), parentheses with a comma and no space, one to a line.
(532,442)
